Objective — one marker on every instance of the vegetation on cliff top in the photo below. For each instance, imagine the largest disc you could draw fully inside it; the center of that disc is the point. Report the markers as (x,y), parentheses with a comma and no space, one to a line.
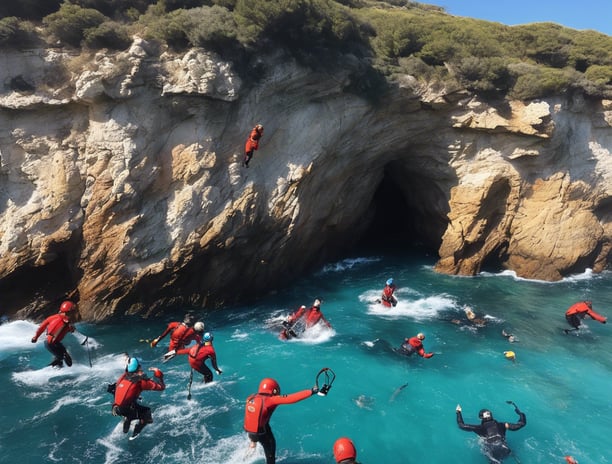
(394,38)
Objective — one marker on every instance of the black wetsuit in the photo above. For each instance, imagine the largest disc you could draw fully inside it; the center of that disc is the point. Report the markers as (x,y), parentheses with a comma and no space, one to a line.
(494,435)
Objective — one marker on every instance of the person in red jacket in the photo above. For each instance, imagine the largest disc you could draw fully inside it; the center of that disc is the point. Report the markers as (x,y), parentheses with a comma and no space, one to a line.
(57,327)
(579,311)
(309,317)
(258,411)
(415,345)
(127,391)
(199,353)
(252,143)
(344,451)
(387,298)
(181,333)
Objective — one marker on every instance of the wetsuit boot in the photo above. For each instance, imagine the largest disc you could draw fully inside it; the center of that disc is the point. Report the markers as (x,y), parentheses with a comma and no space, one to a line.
(126,425)
(137,429)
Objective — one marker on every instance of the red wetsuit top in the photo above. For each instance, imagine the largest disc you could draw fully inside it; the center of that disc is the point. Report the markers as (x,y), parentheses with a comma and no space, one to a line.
(312,316)
(259,408)
(180,335)
(583,309)
(200,353)
(131,384)
(387,295)
(252,142)
(418,348)
(57,327)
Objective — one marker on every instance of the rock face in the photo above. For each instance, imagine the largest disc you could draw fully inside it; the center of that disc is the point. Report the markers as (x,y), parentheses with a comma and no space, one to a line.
(121,178)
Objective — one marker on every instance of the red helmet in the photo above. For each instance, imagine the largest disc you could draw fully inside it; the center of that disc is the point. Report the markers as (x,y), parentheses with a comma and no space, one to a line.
(269,387)
(67,306)
(344,449)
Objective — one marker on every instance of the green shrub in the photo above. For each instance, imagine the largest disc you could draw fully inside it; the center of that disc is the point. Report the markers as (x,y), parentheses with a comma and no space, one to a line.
(114,8)
(484,74)
(546,43)
(298,25)
(169,28)
(28,9)
(599,75)
(16,33)
(109,34)
(538,82)
(211,27)
(71,21)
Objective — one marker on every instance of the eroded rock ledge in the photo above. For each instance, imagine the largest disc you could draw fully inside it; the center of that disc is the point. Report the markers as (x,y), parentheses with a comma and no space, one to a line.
(122,181)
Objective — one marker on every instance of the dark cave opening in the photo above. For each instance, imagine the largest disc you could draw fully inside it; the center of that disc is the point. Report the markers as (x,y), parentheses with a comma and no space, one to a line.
(32,288)
(403,213)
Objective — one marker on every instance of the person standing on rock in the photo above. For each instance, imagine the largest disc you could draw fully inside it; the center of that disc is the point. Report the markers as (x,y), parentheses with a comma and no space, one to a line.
(252,143)
(57,327)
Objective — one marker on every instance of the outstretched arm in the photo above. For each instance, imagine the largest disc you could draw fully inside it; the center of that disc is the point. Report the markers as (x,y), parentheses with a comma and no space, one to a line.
(462,425)
(596,316)
(521,422)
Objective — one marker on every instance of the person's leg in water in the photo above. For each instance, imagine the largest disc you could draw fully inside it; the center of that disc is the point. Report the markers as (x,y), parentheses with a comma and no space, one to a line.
(57,350)
(574,321)
(269,445)
(129,415)
(207,373)
(496,452)
(144,418)
(268,442)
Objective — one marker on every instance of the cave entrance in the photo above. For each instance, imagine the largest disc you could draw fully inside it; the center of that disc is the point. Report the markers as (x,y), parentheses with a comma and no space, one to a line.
(406,213)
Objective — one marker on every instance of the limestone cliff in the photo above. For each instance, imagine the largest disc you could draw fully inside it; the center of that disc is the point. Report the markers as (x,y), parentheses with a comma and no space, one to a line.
(120,178)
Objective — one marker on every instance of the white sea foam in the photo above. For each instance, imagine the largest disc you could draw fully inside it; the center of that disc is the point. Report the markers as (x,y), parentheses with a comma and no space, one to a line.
(586,275)
(346,264)
(408,305)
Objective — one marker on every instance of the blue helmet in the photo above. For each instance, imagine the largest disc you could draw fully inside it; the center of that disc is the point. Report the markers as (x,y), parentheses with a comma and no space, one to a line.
(208,337)
(390,281)
(132,365)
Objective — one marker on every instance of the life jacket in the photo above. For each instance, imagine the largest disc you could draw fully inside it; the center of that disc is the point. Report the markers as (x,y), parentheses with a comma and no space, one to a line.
(313,316)
(57,329)
(253,413)
(178,336)
(128,388)
(491,432)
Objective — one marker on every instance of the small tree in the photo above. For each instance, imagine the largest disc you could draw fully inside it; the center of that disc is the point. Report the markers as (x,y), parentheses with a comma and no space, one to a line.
(71,21)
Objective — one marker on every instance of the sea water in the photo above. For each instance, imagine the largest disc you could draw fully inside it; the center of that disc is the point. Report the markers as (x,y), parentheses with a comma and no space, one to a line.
(396,409)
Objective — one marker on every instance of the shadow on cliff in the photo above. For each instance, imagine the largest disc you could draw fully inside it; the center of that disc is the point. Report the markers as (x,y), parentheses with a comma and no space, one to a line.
(406,212)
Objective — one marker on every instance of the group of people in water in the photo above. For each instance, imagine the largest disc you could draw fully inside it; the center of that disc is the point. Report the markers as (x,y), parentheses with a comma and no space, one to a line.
(187,337)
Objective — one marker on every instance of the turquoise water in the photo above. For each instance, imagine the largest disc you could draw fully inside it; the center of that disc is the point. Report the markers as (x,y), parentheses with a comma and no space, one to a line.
(562,382)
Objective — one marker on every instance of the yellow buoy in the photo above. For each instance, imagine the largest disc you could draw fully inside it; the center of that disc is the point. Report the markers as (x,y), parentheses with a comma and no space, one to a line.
(510,355)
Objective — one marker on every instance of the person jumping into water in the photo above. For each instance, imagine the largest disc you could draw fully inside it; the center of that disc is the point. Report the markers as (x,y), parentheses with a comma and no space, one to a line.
(198,354)
(252,143)
(387,298)
(127,391)
(415,345)
(259,409)
(57,327)
(579,311)
(311,317)
(493,432)
(181,333)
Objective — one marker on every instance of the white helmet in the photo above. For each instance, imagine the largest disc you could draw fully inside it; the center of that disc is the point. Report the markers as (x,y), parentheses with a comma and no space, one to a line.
(198,326)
